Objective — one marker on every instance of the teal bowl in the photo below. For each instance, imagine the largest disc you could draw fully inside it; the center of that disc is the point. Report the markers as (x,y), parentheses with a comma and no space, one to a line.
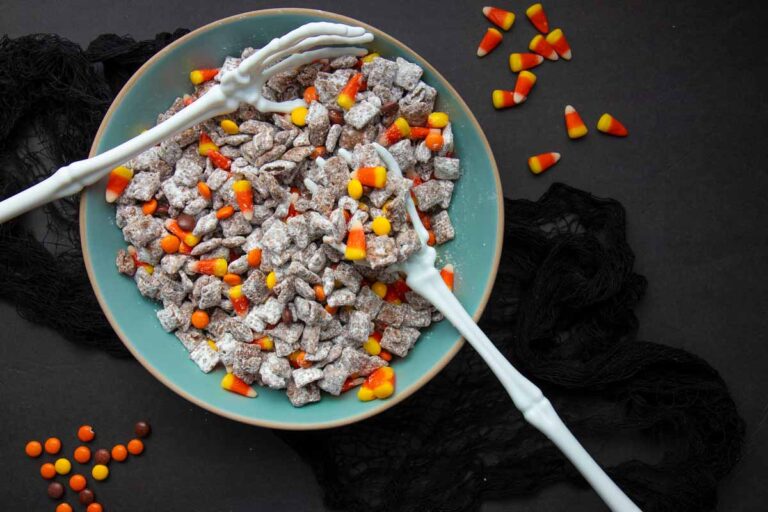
(476,212)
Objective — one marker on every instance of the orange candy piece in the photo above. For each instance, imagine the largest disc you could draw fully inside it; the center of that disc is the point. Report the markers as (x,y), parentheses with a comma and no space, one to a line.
(118,181)
(310,94)
(64,507)
(375,177)
(52,445)
(503,99)
(346,98)
(557,40)
(610,125)
(135,447)
(94,507)
(215,267)
(244,197)
(219,160)
(225,212)
(542,162)
(419,132)
(236,385)
(77,483)
(254,257)
(206,145)
(499,17)
(520,61)
(523,86)
(199,76)
(200,319)
(574,123)
(447,274)
(204,190)
(47,471)
(491,40)
(119,452)
(538,17)
(355,242)
(540,45)
(395,133)
(33,449)
(82,454)
(170,244)
(239,300)
(379,384)
(232,279)
(149,207)
(434,141)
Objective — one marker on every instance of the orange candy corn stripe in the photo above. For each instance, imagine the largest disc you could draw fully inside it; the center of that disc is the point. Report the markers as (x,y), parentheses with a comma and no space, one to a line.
(542,162)
(238,299)
(395,133)
(375,177)
(379,384)
(355,242)
(542,47)
(188,239)
(244,197)
(447,274)
(215,267)
(523,86)
(206,145)
(499,17)
(557,40)
(491,40)
(538,17)
(610,125)
(236,385)
(520,61)
(118,181)
(574,123)
(219,160)
(199,76)
(419,132)
(503,99)
(346,98)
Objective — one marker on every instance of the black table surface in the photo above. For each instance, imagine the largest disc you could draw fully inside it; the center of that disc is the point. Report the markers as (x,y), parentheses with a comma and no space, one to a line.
(688,78)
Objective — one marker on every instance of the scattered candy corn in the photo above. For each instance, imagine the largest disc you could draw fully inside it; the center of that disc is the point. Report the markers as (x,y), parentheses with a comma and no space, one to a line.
(574,124)
(538,17)
(491,40)
(375,177)
(542,162)
(557,39)
(355,242)
(379,384)
(395,133)
(244,197)
(499,17)
(236,385)
(219,160)
(215,267)
(118,181)
(238,299)
(503,99)
(520,61)
(199,76)
(523,86)
(610,125)
(448,275)
(542,47)
(346,98)
(206,144)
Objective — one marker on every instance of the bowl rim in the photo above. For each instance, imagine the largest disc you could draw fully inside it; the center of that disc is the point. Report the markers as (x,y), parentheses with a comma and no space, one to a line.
(381,405)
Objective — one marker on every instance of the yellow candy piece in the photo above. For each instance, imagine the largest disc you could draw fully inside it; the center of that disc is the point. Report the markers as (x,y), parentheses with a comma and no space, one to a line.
(381,226)
(213,346)
(229,127)
(62,466)
(355,189)
(299,116)
(271,280)
(369,58)
(365,394)
(384,390)
(437,120)
(100,472)
(372,346)
(379,289)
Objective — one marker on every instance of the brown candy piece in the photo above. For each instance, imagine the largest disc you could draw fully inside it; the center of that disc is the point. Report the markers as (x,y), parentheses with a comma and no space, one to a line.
(336,117)
(162,209)
(55,490)
(287,317)
(186,221)
(102,456)
(142,429)
(86,497)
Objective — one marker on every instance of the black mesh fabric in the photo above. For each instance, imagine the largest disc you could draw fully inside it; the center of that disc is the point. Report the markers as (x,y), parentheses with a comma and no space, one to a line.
(562,310)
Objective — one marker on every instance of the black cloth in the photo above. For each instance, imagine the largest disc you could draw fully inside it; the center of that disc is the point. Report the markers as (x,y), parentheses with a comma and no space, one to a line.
(562,310)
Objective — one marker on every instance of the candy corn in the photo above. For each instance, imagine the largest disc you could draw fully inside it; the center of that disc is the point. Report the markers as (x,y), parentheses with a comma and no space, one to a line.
(610,125)
(187,239)
(542,162)
(379,384)
(542,47)
(437,120)
(574,124)
(499,17)
(199,76)
(538,17)
(118,181)
(206,144)
(355,242)
(375,177)
(215,267)
(491,40)
(523,86)
(521,61)
(346,98)
(237,298)
(187,100)
(395,133)
(236,385)
(244,197)
(557,39)
(219,160)
(447,274)
(419,132)
(265,343)
(503,99)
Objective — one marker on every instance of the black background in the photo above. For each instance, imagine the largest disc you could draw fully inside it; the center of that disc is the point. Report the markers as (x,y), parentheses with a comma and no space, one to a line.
(688,78)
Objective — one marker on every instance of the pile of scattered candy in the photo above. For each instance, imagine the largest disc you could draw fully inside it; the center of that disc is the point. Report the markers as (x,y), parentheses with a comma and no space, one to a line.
(546,45)
(271,240)
(78,483)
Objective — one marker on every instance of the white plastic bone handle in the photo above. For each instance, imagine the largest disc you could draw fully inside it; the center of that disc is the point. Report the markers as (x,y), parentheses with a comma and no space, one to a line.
(528,398)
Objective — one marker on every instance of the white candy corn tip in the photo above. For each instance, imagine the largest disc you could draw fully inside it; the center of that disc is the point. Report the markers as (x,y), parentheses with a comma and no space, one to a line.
(569,109)
(555,156)
(481,52)
(448,268)
(248,214)
(567,55)
(110,196)
(486,10)
(518,98)
(553,55)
